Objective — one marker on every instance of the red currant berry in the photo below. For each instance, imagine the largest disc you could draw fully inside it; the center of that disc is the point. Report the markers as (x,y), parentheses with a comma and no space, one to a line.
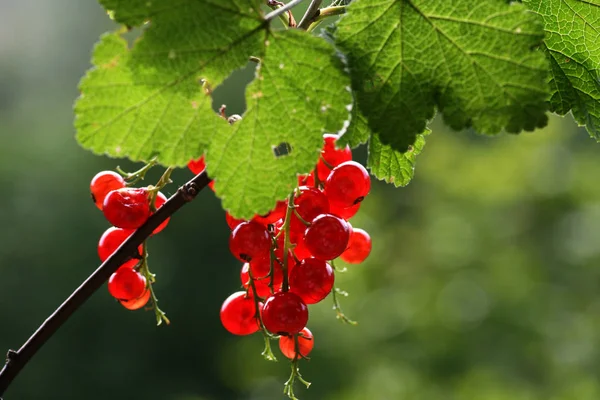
(111,240)
(274,215)
(344,213)
(126,284)
(231,221)
(312,280)
(158,202)
(127,208)
(359,247)
(327,237)
(138,303)
(308,204)
(238,314)
(284,313)
(306,343)
(197,166)
(103,183)
(260,268)
(295,234)
(249,240)
(331,157)
(347,185)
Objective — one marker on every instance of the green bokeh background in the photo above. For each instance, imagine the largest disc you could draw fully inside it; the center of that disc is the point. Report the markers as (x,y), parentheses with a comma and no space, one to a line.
(482,285)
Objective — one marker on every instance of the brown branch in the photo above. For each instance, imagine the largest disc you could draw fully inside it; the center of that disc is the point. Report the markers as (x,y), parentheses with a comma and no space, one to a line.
(16,360)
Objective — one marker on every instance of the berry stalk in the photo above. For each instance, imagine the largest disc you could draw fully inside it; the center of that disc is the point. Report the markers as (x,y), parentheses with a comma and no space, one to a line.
(16,360)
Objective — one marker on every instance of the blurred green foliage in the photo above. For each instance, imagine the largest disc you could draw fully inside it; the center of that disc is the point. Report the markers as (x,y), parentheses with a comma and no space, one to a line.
(482,285)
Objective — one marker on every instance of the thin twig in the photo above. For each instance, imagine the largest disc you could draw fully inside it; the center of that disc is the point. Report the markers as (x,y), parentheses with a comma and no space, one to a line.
(16,360)
(310,14)
(274,14)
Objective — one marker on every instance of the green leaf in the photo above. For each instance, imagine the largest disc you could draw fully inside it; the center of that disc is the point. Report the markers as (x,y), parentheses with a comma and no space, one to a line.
(573,48)
(153,100)
(300,92)
(476,60)
(391,165)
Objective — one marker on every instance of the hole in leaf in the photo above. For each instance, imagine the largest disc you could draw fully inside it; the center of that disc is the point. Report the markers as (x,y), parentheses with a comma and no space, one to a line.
(282,149)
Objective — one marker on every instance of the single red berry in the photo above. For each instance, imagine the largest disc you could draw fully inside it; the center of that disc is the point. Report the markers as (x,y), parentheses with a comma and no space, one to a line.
(347,185)
(103,183)
(138,303)
(307,180)
(158,202)
(249,240)
(260,268)
(312,280)
(359,247)
(344,213)
(111,240)
(287,344)
(327,237)
(238,314)
(300,251)
(127,208)
(331,157)
(126,284)
(309,203)
(263,289)
(274,215)
(197,166)
(231,221)
(284,313)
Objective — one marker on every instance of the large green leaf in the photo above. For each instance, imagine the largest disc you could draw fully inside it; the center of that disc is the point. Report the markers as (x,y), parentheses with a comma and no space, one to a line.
(476,60)
(153,100)
(300,92)
(573,48)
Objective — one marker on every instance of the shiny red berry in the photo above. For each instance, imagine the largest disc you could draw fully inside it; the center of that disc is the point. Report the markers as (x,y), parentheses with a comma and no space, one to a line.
(111,240)
(158,202)
(284,313)
(327,237)
(309,203)
(127,208)
(249,240)
(287,344)
(312,280)
(347,185)
(331,157)
(138,303)
(103,183)
(197,166)
(126,284)
(359,247)
(238,314)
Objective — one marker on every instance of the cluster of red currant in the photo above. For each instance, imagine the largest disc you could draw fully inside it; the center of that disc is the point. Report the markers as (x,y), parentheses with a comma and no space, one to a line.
(127,208)
(289,254)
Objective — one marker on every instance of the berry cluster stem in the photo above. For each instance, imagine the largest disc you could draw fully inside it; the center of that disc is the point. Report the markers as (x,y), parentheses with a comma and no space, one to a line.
(267,352)
(161,316)
(287,245)
(16,360)
(288,388)
(338,309)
